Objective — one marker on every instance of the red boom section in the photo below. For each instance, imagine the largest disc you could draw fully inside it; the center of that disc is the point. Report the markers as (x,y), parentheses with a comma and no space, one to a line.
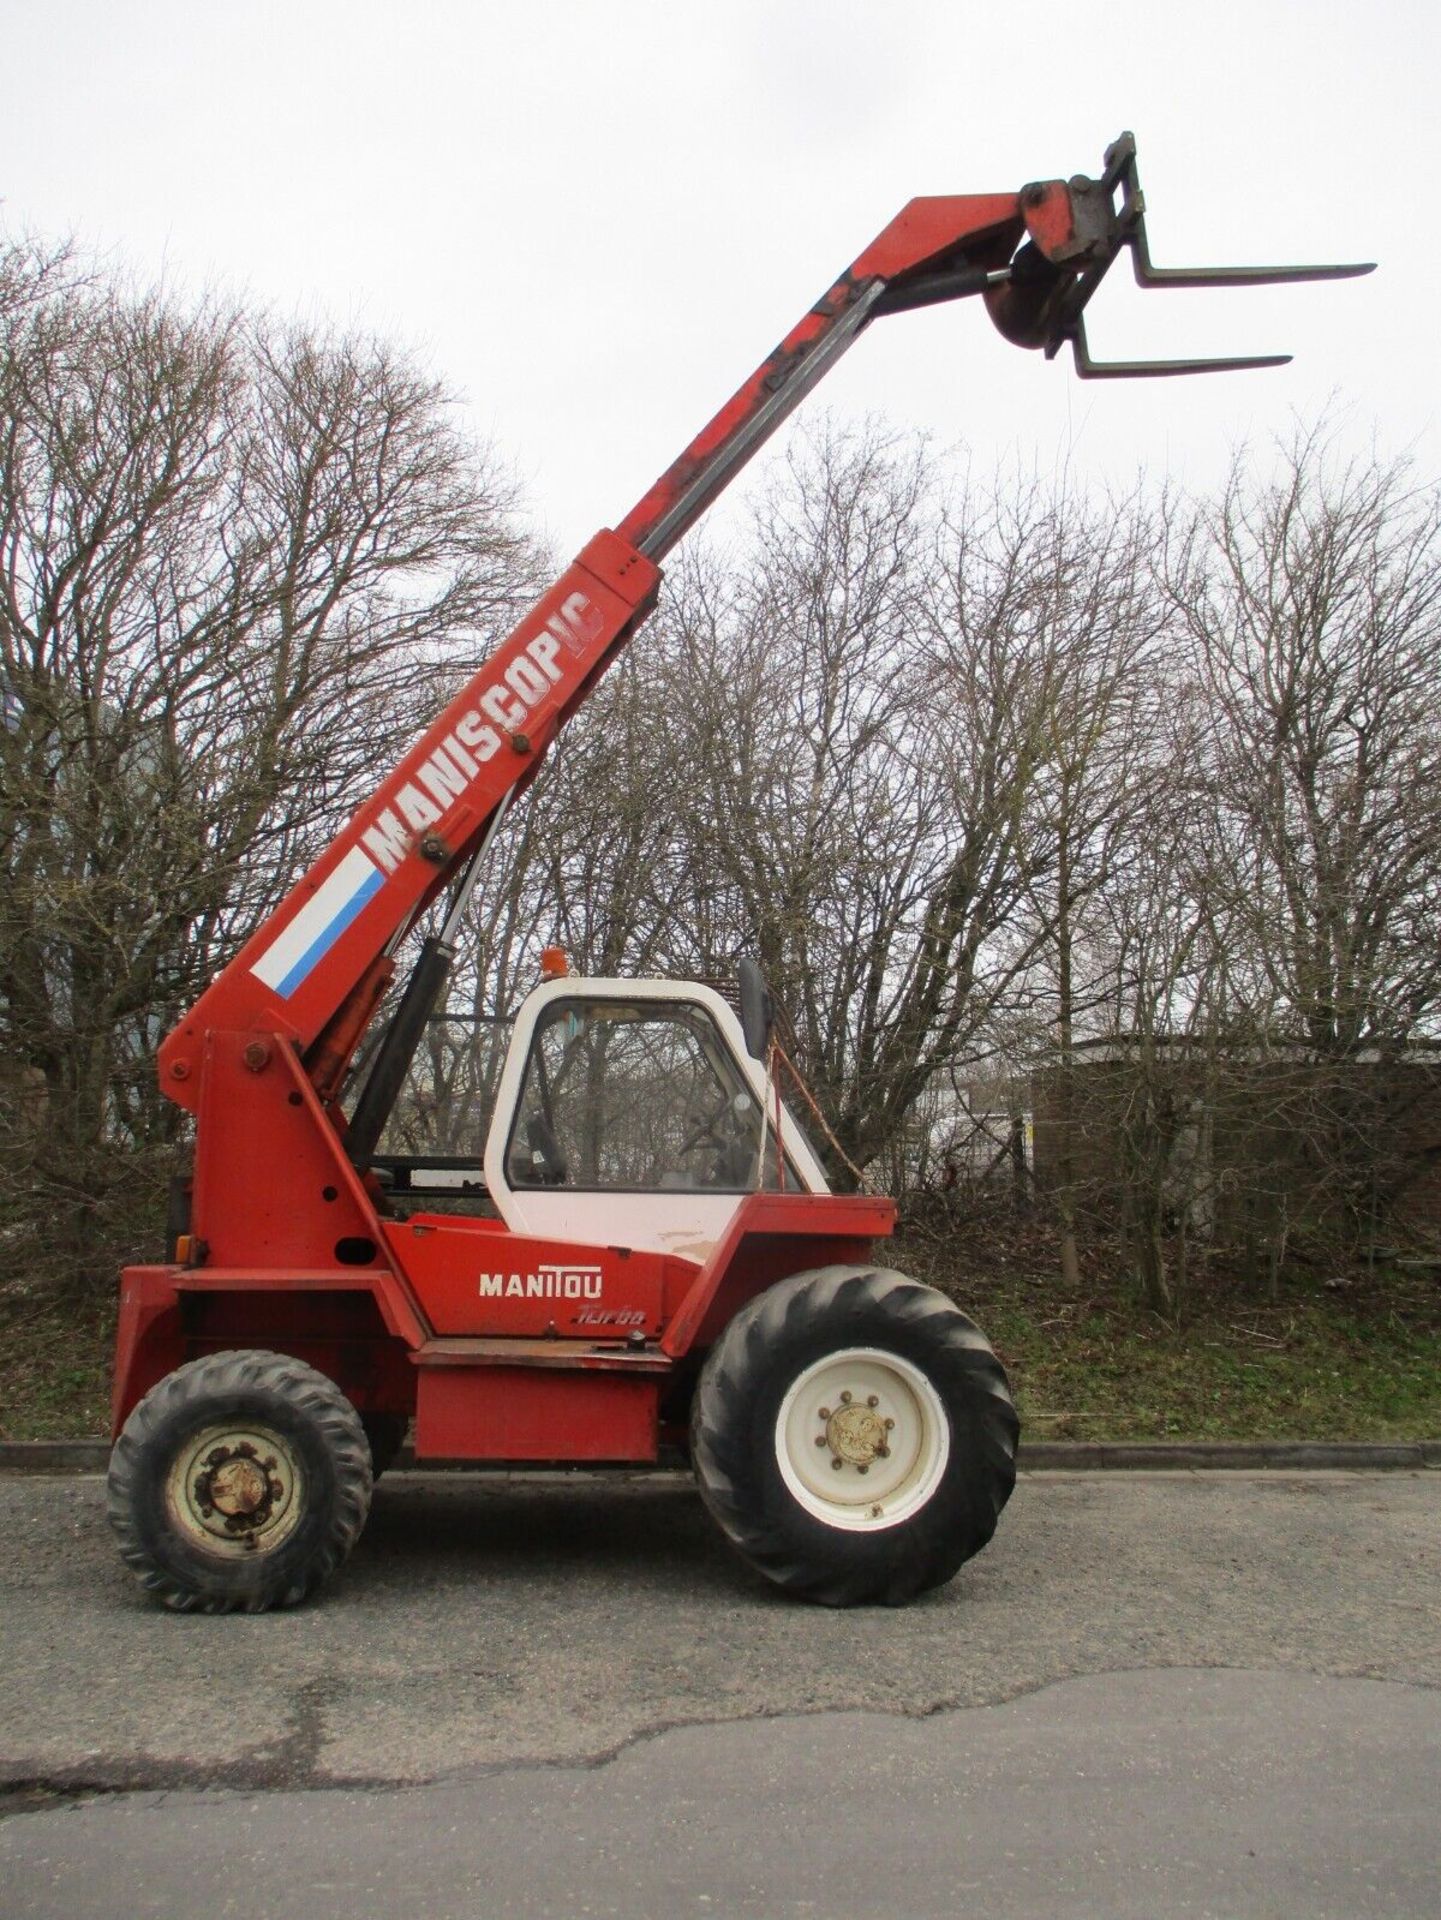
(927,234)
(295,972)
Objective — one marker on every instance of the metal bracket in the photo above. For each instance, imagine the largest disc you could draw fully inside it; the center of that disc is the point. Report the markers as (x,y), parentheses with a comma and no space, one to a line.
(1102,229)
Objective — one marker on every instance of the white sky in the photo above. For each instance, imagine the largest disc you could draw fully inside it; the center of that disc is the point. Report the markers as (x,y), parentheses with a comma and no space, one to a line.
(595,219)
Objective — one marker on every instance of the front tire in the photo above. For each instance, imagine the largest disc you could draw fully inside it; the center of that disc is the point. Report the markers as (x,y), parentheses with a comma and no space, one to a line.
(853,1436)
(240,1482)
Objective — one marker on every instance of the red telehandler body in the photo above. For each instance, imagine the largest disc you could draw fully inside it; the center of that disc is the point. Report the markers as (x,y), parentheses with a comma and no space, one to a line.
(656,1256)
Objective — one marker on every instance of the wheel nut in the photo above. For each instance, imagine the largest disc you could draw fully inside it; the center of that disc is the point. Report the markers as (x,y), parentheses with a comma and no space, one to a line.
(836,1462)
(820,1439)
(845,1399)
(872,1400)
(863,1466)
(824,1414)
(889,1425)
(883,1452)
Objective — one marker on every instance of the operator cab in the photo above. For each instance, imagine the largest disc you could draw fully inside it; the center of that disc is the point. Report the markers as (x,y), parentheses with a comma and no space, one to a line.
(630,1113)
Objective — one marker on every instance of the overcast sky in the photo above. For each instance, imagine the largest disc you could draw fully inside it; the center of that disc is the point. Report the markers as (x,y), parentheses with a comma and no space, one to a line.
(594,219)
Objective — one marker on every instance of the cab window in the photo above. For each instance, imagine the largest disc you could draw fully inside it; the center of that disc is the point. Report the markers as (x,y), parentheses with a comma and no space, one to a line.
(634,1095)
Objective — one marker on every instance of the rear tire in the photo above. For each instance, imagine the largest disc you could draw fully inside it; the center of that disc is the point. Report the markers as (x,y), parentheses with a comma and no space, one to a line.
(240,1482)
(853,1436)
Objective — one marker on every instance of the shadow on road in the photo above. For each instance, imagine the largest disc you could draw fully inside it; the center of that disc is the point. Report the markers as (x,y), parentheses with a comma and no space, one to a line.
(468,1528)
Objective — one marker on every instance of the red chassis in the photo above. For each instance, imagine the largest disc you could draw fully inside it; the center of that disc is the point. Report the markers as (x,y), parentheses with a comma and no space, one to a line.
(510,1378)
(300,1298)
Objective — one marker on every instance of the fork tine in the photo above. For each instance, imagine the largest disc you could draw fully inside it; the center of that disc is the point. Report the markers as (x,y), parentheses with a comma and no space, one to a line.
(1089,369)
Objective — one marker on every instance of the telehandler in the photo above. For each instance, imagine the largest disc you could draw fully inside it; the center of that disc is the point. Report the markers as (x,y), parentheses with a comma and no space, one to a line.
(655,1257)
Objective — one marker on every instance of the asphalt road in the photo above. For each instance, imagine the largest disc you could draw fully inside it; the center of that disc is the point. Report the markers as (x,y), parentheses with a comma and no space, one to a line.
(1155,1693)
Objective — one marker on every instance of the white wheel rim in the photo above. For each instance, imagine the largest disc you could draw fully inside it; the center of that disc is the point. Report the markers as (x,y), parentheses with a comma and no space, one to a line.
(235,1490)
(862,1439)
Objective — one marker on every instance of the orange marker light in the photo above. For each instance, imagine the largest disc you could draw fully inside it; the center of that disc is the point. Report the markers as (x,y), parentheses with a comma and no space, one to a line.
(553,963)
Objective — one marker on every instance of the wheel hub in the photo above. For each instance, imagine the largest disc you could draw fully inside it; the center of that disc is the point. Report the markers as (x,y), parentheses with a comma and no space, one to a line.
(862,1439)
(855,1432)
(236,1489)
(238,1486)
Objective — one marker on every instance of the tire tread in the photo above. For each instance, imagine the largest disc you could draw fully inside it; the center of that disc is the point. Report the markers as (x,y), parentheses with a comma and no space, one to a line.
(724,1447)
(215,1377)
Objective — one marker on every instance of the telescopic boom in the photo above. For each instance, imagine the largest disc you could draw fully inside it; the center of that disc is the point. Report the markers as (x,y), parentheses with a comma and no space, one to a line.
(312,976)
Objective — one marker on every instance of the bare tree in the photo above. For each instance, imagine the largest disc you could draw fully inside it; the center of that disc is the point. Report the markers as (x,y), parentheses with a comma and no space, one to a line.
(806,832)
(873,701)
(233,557)
(863,748)
(1315,603)
(815,825)
(1071,594)
(1313,600)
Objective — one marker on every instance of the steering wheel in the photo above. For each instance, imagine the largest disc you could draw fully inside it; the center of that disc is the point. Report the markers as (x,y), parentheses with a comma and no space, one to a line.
(722,1134)
(705,1130)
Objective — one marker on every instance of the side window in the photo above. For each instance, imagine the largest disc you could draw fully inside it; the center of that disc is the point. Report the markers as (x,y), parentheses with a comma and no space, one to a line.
(638,1095)
(444,1107)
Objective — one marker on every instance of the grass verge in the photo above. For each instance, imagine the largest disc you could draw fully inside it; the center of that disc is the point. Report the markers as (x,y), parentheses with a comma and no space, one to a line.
(1359,1359)
(55,1369)
(1354,1357)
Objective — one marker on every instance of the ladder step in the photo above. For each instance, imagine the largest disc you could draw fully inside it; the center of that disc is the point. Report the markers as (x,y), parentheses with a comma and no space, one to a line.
(574,1356)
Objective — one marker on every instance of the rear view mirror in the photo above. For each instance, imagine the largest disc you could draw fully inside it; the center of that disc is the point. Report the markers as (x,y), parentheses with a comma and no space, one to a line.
(757,1010)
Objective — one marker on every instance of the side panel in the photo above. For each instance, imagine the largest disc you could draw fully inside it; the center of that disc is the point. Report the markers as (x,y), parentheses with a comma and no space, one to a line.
(472,1277)
(148,1338)
(686,1224)
(338,1332)
(511,1413)
(274,1195)
(271,1188)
